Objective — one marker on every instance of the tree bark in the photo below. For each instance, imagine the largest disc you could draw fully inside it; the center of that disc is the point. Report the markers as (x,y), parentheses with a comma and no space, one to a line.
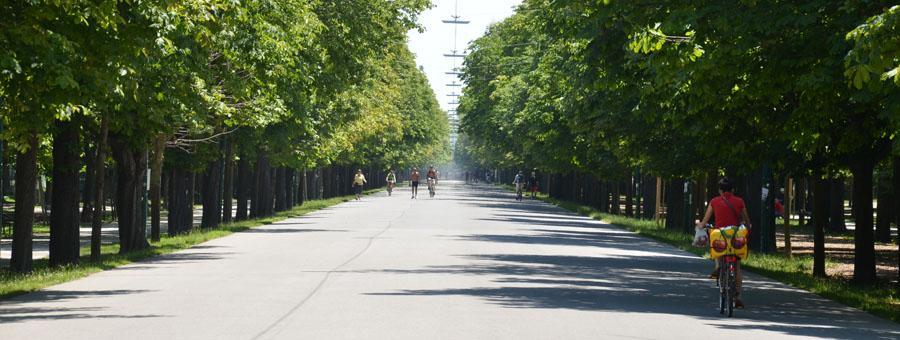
(788,204)
(675,204)
(821,204)
(243,188)
(263,186)
(212,208)
(23,225)
(100,181)
(64,217)
(87,195)
(885,212)
(864,238)
(159,147)
(895,161)
(280,190)
(228,190)
(836,196)
(629,197)
(131,168)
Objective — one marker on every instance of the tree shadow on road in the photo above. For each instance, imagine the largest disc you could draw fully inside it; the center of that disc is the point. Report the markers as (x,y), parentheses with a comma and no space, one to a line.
(20,308)
(631,274)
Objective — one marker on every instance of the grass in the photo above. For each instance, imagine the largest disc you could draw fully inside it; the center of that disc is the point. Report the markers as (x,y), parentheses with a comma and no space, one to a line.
(882,300)
(12,284)
(38,229)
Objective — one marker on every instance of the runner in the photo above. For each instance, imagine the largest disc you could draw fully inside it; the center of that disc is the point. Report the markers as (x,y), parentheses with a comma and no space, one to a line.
(414,182)
(358,181)
(391,180)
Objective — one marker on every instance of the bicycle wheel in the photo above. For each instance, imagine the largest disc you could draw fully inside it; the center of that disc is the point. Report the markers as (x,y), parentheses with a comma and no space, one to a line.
(722,283)
(732,290)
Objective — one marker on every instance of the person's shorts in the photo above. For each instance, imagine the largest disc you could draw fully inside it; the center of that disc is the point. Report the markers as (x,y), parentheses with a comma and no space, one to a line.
(534,188)
(415,184)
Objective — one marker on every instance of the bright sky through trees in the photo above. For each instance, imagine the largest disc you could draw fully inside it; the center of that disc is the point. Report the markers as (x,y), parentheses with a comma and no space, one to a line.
(430,46)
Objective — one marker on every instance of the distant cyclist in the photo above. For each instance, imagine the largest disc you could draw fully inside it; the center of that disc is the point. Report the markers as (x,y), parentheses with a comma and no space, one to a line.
(414,182)
(391,180)
(432,177)
(519,182)
(358,181)
(729,210)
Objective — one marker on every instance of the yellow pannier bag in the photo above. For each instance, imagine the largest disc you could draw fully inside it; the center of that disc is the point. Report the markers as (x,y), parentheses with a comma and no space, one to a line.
(729,241)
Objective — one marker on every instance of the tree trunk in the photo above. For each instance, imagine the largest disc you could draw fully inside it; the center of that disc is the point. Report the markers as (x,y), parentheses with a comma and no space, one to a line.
(159,147)
(674,204)
(280,190)
(820,193)
(837,222)
(178,193)
(64,217)
(87,195)
(212,208)
(23,225)
(788,204)
(228,190)
(290,179)
(629,197)
(885,212)
(802,201)
(304,187)
(243,188)
(864,254)
(131,167)
(100,181)
(263,185)
(188,218)
(895,161)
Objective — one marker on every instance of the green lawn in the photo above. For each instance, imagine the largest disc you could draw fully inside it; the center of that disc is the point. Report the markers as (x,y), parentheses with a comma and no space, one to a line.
(12,284)
(882,300)
(38,229)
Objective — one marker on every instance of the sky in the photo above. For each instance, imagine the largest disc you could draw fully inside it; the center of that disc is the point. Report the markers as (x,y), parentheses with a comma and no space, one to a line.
(437,39)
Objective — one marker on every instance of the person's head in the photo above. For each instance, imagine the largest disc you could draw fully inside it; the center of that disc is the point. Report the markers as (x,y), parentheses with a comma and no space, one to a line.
(431,167)
(520,172)
(392,170)
(415,169)
(725,185)
(359,171)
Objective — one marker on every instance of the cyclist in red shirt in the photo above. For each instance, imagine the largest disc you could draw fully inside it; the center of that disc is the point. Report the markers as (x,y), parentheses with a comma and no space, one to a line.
(728,210)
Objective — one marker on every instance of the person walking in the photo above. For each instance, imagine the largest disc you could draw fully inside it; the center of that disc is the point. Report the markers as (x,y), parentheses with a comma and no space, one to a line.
(414,182)
(358,181)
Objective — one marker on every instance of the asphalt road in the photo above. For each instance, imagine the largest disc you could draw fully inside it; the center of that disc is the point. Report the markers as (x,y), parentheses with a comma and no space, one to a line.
(470,263)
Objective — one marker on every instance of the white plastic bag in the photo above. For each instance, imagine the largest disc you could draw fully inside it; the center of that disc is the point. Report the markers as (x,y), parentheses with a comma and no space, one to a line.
(701,239)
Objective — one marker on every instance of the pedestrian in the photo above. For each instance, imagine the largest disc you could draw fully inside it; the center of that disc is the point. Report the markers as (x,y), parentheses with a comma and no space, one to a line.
(358,181)
(533,184)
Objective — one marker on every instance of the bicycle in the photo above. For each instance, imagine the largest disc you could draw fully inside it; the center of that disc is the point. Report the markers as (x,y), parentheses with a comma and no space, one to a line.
(431,183)
(729,244)
(390,188)
(519,191)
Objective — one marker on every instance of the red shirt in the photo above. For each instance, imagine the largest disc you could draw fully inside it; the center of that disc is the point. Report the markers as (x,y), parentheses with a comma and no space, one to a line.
(725,216)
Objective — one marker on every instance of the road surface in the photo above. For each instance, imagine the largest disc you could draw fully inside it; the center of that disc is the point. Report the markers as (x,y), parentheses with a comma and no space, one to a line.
(469,264)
